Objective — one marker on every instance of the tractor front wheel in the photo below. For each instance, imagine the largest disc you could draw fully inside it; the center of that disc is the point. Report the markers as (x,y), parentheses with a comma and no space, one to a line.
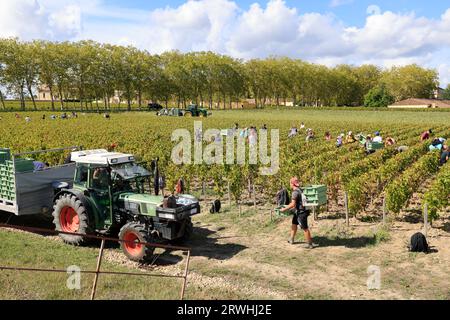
(70,215)
(132,236)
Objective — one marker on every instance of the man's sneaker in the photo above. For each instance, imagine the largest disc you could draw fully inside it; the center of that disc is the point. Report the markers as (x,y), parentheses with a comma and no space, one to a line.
(311,246)
(291,241)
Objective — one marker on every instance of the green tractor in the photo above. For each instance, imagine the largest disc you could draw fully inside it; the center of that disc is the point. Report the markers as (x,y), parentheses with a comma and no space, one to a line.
(194,110)
(108,197)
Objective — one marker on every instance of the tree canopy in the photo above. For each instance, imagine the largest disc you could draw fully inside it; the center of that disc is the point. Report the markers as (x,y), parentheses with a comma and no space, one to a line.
(88,71)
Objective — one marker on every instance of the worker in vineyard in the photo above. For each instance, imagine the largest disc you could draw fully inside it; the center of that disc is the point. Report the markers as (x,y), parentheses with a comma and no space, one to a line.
(350,138)
(340,140)
(309,135)
(301,214)
(426,135)
(444,155)
(378,138)
(390,142)
(367,145)
(293,132)
(328,136)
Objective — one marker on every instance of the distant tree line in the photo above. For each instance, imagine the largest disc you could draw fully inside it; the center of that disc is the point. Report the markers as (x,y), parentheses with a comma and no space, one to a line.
(87,71)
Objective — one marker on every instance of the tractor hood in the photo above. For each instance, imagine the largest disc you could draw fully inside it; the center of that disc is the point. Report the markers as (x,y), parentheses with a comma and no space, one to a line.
(141,203)
(146,204)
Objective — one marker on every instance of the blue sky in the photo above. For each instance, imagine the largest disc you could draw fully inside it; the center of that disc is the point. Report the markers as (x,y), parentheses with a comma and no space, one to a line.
(330,32)
(352,12)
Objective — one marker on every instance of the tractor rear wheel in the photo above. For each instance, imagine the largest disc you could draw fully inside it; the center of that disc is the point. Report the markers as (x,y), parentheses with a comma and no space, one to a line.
(130,235)
(70,215)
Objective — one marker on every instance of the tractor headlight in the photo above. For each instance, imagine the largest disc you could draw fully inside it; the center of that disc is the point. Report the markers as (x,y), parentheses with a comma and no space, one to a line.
(167,216)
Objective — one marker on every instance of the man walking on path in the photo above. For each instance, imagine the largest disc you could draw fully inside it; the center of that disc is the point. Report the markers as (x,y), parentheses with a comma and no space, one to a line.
(300,214)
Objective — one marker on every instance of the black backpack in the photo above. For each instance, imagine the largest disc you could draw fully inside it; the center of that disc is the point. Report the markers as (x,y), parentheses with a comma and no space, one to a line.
(283,197)
(215,206)
(418,243)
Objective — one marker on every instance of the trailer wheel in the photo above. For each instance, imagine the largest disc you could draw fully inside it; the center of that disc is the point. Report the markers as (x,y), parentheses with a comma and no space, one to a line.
(70,215)
(130,235)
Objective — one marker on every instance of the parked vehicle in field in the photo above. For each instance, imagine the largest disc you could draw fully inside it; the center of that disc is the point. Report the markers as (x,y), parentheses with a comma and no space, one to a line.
(171,112)
(194,110)
(191,111)
(99,192)
(154,106)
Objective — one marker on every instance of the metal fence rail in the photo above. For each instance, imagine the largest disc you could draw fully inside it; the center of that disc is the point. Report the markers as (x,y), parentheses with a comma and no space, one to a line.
(98,270)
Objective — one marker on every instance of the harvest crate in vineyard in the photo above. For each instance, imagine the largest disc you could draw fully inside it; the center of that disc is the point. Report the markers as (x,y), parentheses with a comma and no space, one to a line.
(316,195)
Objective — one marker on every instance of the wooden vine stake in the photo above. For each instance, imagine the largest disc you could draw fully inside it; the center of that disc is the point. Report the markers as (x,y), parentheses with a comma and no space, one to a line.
(229,195)
(384,211)
(347,221)
(254,198)
(425,218)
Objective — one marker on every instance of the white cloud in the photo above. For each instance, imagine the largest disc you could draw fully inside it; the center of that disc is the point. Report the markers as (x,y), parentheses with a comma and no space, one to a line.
(373,9)
(29,19)
(338,3)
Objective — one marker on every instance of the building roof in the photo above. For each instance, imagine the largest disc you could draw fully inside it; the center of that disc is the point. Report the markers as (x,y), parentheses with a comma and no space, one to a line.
(101,156)
(421,103)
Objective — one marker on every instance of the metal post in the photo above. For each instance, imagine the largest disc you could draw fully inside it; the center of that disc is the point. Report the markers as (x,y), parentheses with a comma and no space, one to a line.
(229,195)
(183,288)
(97,270)
(425,218)
(346,210)
(271,214)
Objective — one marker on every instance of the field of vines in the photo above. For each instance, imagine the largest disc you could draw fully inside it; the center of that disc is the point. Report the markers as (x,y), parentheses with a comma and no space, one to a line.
(367,180)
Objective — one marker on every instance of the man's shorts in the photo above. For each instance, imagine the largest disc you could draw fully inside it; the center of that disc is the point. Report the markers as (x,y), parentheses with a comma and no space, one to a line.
(301,219)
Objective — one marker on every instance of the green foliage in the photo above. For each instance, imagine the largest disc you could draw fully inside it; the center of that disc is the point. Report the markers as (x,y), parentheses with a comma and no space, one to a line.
(87,72)
(400,190)
(378,97)
(438,195)
(446,94)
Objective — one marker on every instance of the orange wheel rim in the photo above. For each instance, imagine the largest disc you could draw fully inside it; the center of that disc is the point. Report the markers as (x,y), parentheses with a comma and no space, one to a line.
(69,220)
(131,243)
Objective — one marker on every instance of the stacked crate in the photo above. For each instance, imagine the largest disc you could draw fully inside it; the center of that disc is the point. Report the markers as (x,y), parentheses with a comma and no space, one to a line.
(316,195)
(7,187)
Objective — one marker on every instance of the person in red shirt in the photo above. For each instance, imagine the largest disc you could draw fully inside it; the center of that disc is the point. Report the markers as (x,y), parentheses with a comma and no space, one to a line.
(426,135)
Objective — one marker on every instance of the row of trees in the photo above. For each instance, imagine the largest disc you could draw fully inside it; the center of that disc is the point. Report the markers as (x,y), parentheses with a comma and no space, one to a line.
(87,71)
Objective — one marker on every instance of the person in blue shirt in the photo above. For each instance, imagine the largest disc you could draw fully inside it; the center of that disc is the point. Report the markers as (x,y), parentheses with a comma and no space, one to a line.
(39,166)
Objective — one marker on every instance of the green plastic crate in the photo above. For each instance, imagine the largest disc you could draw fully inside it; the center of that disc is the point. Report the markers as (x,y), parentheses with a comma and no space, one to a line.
(23,165)
(4,156)
(375,145)
(316,194)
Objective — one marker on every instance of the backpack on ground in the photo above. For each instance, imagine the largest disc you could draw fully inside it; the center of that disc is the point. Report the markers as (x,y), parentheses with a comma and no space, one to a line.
(283,197)
(215,206)
(418,243)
